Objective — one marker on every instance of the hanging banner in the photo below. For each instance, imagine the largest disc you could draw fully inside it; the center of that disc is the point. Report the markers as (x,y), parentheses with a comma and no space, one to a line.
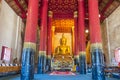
(3,51)
(6,54)
(117,54)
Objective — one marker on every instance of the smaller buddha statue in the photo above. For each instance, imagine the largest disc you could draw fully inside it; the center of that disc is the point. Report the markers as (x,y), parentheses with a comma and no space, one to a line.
(63,49)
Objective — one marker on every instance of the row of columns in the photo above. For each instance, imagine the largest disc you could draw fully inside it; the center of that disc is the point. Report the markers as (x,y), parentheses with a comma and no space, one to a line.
(95,39)
(27,72)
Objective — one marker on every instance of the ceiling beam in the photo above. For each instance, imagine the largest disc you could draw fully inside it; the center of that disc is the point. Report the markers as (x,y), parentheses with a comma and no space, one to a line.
(23,12)
(100,2)
(110,12)
(19,5)
(26,1)
(105,8)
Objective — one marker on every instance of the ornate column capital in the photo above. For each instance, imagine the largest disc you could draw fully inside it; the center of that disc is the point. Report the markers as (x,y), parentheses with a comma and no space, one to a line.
(50,14)
(75,14)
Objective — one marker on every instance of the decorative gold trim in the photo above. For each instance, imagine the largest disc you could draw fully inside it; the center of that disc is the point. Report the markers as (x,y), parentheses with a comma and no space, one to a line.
(82,53)
(30,45)
(50,14)
(49,56)
(95,46)
(53,28)
(73,28)
(43,53)
(75,14)
(76,56)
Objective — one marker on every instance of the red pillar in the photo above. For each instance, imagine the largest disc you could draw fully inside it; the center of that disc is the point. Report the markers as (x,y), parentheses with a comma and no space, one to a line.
(49,40)
(43,25)
(76,49)
(27,70)
(43,38)
(81,26)
(95,38)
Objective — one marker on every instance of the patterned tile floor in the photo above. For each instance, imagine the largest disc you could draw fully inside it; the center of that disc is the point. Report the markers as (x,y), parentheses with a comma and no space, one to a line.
(54,77)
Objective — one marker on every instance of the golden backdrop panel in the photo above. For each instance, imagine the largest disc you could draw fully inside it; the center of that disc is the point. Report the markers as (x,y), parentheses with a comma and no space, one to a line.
(57,37)
(63,22)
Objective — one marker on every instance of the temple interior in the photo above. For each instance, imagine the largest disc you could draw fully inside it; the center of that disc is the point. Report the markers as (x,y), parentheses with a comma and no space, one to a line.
(59,39)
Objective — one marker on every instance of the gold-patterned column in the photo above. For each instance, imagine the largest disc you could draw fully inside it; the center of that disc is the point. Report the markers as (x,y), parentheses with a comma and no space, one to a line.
(76,49)
(49,39)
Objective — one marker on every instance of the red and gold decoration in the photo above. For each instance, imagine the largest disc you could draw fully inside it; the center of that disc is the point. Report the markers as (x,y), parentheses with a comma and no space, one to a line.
(63,8)
(63,25)
(62,21)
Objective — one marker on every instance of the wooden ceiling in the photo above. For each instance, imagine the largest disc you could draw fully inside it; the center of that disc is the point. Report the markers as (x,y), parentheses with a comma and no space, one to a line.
(64,8)
(106,7)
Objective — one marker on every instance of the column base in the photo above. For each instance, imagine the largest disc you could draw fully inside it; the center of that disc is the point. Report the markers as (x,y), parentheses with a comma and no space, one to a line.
(48,67)
(82,62)
(76,60)
(27,69)
(41,62)
(97,65)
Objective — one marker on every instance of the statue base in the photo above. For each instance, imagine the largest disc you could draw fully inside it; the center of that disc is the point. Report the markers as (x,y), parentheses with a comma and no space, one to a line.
(62,62)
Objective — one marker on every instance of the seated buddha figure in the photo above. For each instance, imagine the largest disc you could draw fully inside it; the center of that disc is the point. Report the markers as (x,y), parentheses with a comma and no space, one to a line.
(62,49)
(62,56)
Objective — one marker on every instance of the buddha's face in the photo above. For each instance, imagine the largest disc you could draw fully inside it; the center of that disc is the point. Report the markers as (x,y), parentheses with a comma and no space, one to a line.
(63,41)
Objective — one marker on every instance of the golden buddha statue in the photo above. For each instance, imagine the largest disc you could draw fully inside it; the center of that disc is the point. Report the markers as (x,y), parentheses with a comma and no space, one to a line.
(63,49)
(62,57)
